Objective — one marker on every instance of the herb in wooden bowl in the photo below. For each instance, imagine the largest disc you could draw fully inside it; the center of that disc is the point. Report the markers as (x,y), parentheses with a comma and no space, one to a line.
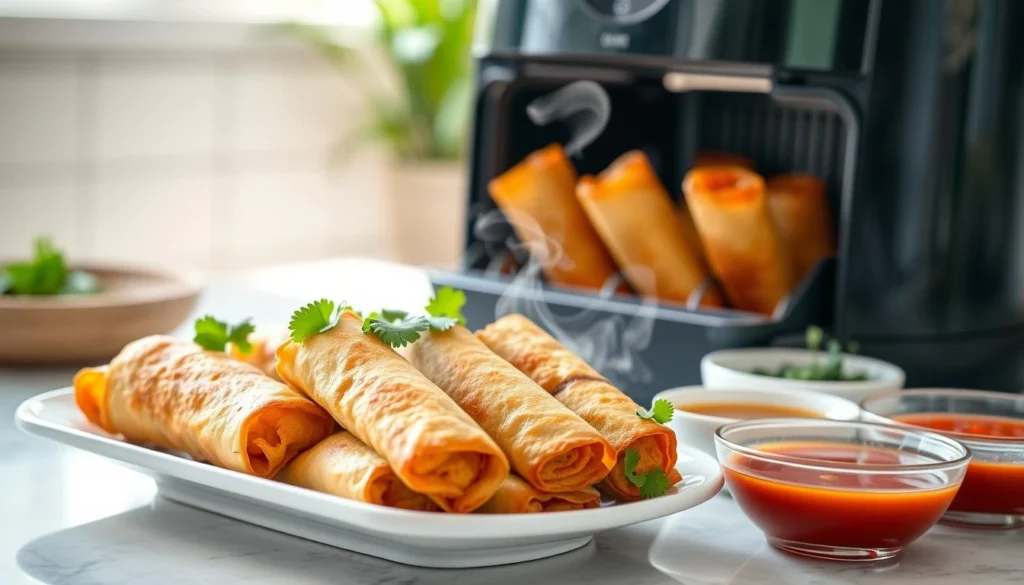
(829,369)
(46,274)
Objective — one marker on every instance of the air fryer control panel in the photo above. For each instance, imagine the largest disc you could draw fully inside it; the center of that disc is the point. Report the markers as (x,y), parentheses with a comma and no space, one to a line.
(825,35)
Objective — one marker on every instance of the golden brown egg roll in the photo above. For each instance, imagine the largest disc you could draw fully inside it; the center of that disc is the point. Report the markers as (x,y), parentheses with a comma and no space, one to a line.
(547,444)
(584,391)
(538,199)
(344,466)
(175,395)
(742,245)
(799,206)
(634,216)
(516,496)
(432,445)
(263,353)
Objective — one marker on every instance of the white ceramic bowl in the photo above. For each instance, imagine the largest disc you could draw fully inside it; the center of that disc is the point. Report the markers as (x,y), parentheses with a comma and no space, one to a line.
(732,368)
(698,430)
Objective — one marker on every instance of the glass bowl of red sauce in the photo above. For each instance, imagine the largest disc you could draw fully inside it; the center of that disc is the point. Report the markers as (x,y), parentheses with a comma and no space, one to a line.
(840,490)
(991,424)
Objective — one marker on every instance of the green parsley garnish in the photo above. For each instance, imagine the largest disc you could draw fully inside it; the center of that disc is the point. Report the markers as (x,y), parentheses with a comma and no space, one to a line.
(398,331)
(660,413)
(829,370)
(316,317)
(447,303)
(45,274)
(215,335)
(652,484)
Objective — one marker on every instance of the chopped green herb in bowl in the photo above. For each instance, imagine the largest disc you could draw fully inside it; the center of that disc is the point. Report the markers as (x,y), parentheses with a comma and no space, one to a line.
(829,369)
(46,274)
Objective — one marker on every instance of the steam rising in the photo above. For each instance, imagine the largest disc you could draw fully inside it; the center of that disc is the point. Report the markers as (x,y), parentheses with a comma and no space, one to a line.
(583,105)
(611,343)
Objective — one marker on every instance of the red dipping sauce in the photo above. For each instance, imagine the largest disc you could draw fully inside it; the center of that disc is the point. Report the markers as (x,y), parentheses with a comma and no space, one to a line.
(841,509)
(990,487)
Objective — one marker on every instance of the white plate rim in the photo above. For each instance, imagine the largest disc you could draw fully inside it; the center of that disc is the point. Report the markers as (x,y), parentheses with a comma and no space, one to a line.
(369,517)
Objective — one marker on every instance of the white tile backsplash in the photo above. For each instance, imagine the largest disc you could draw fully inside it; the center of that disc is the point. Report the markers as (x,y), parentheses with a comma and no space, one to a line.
(163,108)
(38,111)
(29,211)
(282,106)
(166,221)
(189,159)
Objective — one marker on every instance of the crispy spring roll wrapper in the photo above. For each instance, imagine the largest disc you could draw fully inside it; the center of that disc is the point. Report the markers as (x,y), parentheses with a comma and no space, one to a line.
(175,395)
(799,206)
(706,159)
(634,216)
(263,353)
(538,198)
(584,391)
(548,445)
(743,246)
(432,445)
(516,496)
(344,466)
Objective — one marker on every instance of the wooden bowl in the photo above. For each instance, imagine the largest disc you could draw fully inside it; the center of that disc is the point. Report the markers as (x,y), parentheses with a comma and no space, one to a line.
(73,329)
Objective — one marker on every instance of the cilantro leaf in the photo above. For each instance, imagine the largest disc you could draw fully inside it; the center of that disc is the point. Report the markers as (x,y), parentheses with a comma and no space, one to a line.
(44,275)
(629,467)
(396,333)
(652,484)
(442,323)
(211,334)
(393,314)
(316,317)
(660,413)
(239,336)
(6,282)
(80,282)
(655,484)
(447,302)
(214,335)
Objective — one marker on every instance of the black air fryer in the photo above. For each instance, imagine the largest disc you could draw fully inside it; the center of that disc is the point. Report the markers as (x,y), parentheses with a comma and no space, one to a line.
(911,111)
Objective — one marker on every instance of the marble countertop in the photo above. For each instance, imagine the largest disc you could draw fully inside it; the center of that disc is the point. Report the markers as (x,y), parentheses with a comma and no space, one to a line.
(72,518)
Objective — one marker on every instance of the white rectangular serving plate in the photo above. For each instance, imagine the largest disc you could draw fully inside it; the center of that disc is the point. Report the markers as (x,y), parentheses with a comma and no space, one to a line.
(427,539)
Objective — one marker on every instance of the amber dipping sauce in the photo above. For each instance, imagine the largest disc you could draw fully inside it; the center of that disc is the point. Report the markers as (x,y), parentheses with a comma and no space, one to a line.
(838,509)
(990,487)
(749,411)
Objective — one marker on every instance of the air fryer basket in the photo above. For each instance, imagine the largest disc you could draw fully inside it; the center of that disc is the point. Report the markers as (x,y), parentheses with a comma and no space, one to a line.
(643,346)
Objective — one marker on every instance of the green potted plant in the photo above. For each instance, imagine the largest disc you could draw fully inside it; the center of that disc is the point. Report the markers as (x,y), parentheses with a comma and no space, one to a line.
(423,124)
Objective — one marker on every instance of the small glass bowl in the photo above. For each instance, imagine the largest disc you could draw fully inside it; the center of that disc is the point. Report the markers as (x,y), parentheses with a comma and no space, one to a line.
(992,494)
(840,490)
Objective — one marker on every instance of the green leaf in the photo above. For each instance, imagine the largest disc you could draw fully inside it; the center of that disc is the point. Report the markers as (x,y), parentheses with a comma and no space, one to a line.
(447,302)
(655,484)
(80,282)
(316,317)
(239,336)
(397,333)
(211,334)
(813,337)
(5,282)
(442,323)
(629,468)
(393,314)
(660,413)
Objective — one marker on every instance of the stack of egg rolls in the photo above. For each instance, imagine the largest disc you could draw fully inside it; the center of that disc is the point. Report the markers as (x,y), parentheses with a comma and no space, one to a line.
(433,446)
(584,391)
(516,496)
(742,244)
(548,445)
(634,215)
(538,199)
(175,395)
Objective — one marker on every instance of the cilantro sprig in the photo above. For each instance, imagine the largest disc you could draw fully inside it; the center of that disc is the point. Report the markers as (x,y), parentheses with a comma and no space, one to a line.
(652,484)
(46,274)
(394,327)
(316,317)
(214,335)
(661,412)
